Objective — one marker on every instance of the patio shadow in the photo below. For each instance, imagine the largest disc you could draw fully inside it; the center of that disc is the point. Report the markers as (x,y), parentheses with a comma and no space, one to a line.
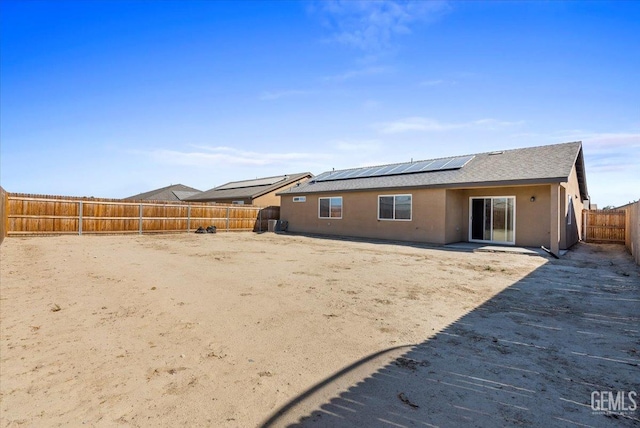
(532,355)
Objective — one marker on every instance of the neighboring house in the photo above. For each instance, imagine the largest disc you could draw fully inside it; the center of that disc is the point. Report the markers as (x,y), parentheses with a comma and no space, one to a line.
(175,192)
(261,191)
(527,197)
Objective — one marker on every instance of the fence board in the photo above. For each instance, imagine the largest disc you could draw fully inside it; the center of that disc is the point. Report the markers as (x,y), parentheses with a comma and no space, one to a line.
(53,215)
(606,226)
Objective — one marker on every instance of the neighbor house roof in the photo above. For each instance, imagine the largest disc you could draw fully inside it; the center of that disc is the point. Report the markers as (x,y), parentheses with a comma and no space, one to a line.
(175,192)
(249,189)
(542,164)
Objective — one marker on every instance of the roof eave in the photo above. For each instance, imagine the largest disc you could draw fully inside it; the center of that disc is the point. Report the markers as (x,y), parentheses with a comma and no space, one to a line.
(461,185)
(581,174)
(273,187)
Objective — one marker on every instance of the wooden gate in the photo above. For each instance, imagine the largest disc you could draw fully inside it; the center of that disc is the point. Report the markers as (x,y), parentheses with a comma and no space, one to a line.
(605,226)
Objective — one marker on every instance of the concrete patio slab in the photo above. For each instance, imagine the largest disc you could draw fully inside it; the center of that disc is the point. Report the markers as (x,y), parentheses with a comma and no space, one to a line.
(475,247)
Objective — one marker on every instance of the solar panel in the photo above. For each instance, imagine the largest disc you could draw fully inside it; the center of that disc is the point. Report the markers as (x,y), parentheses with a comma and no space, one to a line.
(251,183)
(418,166)
(397,169)
(365,172)
(383,171)
(320,177)
(337,175)
(352,173)
(459,162)
(437,164)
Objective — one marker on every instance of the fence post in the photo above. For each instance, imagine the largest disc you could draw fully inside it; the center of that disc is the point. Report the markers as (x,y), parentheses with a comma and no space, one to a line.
(188,218)
(259,220)
(140,221)
(227,219)
(79,217)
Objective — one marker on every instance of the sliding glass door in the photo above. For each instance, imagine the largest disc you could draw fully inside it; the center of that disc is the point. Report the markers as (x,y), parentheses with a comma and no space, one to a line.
(492,219)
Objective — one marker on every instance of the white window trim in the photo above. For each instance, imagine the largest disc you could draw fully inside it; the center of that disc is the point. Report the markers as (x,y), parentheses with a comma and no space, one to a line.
(394,207)
(331,197)
(299,199)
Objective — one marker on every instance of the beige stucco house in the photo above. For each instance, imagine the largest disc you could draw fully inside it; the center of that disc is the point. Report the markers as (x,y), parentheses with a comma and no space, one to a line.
(260,191)
(527,197)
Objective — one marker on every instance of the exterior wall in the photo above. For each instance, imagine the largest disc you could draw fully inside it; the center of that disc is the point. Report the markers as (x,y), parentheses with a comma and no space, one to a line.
(360,216)
(532,218)
(439,216)
(571,227)
(270,199)
(455,220)
(247,201)
(267,200)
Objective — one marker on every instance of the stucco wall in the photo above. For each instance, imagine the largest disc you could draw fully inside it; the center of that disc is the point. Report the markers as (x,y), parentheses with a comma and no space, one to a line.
(271,199)
(532,218)
(571,230)
(455,220)
(360,216)
(440,216)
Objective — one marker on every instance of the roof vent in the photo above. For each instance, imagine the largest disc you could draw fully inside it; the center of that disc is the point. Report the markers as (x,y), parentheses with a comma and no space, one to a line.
(496,153)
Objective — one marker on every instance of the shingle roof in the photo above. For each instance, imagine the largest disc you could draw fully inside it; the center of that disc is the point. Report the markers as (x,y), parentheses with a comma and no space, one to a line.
(248,189)
(542,164)
(174,192)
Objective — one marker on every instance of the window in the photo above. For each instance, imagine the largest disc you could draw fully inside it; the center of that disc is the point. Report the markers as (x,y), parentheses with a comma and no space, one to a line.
(237,202)
(569,209)
(330,207)
(394,207)
(299,199)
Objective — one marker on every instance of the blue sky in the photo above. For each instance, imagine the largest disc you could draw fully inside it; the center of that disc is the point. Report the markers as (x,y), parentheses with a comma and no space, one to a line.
(114,98)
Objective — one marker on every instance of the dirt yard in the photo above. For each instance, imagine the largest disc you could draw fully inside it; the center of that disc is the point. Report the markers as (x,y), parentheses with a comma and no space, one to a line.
(224,329)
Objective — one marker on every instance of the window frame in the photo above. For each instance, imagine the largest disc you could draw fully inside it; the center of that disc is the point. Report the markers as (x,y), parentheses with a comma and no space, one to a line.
(330,198)
(394,196)
(299,199)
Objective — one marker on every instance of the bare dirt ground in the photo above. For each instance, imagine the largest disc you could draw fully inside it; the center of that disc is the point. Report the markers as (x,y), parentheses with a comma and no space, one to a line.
(241,329)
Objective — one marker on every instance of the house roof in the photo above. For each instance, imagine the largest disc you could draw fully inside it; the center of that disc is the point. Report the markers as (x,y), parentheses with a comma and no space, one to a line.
(249,189)
(542,164)
(174,192)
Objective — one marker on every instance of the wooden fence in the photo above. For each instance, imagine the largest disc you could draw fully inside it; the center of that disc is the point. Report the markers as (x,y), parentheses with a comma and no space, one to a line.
(632,232)
(58,215)
(4,224)
(606,226)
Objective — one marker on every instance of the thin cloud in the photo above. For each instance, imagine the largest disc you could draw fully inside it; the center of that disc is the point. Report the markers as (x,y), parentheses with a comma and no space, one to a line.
(274,95)
(612,152)
(358,146)
(371,104)
(493,124)
(425,124)
(436,82)
(352,74)
(599,141)
(372,25)
(414,124)
(221,155)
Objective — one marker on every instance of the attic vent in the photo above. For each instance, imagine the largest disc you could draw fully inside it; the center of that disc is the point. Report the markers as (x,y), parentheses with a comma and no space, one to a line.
(496,153)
